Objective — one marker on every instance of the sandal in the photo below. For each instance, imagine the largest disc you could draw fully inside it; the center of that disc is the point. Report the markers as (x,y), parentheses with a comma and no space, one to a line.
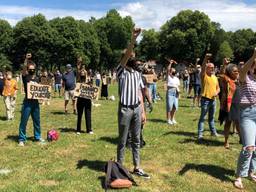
(253,177)
(238,184)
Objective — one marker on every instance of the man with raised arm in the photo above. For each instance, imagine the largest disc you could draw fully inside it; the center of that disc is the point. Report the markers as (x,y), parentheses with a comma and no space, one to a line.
(129,111)
(210,90)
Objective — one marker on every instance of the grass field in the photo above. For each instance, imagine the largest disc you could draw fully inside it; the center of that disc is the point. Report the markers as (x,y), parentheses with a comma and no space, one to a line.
(76,163)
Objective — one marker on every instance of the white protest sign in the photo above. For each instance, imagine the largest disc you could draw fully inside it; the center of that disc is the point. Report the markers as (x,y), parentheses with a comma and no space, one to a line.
(38,91)
(86,91)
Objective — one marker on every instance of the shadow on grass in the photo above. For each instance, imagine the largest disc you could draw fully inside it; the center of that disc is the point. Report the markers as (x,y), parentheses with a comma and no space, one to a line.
(16,138)
(67,130)
(185,106)
(58,113)
(157,120)
(181,133)
(206,142)
(215,171)
(94,165)
(102,181)
(110,140)
(3,118)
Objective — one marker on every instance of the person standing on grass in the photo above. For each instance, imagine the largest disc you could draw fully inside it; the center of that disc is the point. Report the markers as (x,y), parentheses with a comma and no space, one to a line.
(1,83)
(30,106)
(69,84)
(210,90)
(104,86)
(246,164)
(10,94)
(172,94)
(58,82)
(98,78)
(197,84)
(129,110)
(229,101)
(83,104)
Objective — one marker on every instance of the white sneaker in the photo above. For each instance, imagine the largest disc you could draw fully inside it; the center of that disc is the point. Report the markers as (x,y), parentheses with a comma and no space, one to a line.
(78,133)
(91,133)
(174,122)
(170,122)
(21,144)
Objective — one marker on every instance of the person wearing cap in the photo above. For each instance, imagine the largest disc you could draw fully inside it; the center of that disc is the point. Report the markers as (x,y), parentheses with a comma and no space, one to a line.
(69,85)
(210,90)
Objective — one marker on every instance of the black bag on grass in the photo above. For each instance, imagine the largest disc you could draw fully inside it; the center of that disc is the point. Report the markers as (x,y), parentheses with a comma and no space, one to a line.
(117,176)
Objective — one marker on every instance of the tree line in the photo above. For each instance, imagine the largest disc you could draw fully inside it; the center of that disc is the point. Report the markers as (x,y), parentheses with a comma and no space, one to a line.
(54,43)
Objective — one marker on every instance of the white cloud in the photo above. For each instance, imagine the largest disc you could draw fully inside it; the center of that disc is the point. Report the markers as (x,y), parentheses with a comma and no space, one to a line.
(231,14)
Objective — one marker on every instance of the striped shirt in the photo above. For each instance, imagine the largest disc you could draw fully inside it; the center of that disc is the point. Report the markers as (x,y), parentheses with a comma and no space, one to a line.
(248,91)
(129,84)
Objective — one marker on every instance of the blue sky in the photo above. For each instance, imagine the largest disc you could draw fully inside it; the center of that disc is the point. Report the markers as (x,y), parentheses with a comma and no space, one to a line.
(231,14)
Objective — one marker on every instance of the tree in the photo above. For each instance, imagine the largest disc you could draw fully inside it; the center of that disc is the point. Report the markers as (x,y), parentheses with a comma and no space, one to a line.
(224,51)
(33,34)
(149,45)
(240,42)
(186,36)
(114,33)
(5,63)
(6,37)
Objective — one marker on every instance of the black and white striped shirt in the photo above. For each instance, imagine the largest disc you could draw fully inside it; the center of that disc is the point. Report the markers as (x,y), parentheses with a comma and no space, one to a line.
(129,84)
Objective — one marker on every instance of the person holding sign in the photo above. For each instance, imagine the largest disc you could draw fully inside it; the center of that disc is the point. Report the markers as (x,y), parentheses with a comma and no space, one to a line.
(83,104)
(30,106)
(10,94)
(129,110)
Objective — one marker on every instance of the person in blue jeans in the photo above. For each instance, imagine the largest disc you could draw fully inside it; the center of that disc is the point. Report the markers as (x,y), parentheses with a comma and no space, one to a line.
(30,106)
(210,91)
(246,165)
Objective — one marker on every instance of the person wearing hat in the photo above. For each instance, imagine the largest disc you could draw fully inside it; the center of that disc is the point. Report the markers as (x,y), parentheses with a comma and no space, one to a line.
(69,85)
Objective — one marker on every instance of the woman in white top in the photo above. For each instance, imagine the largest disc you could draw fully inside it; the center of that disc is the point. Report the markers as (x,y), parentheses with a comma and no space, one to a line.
(172,94)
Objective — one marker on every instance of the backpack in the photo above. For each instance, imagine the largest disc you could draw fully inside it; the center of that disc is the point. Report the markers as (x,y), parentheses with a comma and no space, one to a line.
(117,176)
(52,135)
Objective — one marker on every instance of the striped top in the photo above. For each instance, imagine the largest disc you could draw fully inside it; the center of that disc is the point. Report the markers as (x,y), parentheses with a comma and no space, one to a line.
(248,91)
(129,84)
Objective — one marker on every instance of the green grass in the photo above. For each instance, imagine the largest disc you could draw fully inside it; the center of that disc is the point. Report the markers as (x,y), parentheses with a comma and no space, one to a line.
(75,163)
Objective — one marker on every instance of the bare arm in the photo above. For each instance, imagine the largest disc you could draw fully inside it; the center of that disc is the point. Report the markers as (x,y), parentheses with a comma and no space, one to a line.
(171,62)
(205,61)
(247,67)
(129,50)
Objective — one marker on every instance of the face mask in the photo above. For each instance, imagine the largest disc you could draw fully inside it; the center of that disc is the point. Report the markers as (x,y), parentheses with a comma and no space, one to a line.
(31,71)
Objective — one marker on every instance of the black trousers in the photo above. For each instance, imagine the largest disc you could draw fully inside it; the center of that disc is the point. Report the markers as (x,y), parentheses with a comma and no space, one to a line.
(84,105)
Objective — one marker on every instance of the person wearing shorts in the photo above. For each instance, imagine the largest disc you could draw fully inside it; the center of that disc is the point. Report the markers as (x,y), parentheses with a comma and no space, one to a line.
(69,84)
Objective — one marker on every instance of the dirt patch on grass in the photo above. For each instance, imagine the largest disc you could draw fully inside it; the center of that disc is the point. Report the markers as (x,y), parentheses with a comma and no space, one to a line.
(48,183)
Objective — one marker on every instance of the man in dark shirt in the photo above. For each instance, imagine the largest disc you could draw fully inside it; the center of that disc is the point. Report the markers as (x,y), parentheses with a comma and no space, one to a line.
(30,106)
(1,83)
(69,84)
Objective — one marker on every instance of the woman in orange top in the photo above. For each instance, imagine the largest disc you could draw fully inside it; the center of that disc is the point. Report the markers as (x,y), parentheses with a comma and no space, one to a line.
(9,94)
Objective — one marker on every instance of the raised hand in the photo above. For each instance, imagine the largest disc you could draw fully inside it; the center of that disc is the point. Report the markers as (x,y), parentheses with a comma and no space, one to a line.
(136,32)
(226,61)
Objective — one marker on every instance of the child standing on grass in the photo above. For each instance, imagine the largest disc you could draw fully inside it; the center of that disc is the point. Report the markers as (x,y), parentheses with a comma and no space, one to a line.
(9,95)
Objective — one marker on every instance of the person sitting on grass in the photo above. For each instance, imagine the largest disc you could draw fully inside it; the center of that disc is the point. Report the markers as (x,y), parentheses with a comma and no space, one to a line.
(30,106)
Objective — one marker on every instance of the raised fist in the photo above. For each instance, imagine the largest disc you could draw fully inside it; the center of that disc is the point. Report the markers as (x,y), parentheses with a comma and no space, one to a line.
(208,55)
(136,32)
(28,56)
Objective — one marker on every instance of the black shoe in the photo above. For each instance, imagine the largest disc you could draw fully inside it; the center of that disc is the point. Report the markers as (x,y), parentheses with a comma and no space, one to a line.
(140,173)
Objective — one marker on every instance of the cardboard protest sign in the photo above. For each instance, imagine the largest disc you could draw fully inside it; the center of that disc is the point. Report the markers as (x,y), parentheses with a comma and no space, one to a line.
(149,78)
(86,91)
(38,91)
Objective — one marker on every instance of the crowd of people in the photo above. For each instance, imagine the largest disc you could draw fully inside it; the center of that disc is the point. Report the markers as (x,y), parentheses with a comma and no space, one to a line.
(234,86)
